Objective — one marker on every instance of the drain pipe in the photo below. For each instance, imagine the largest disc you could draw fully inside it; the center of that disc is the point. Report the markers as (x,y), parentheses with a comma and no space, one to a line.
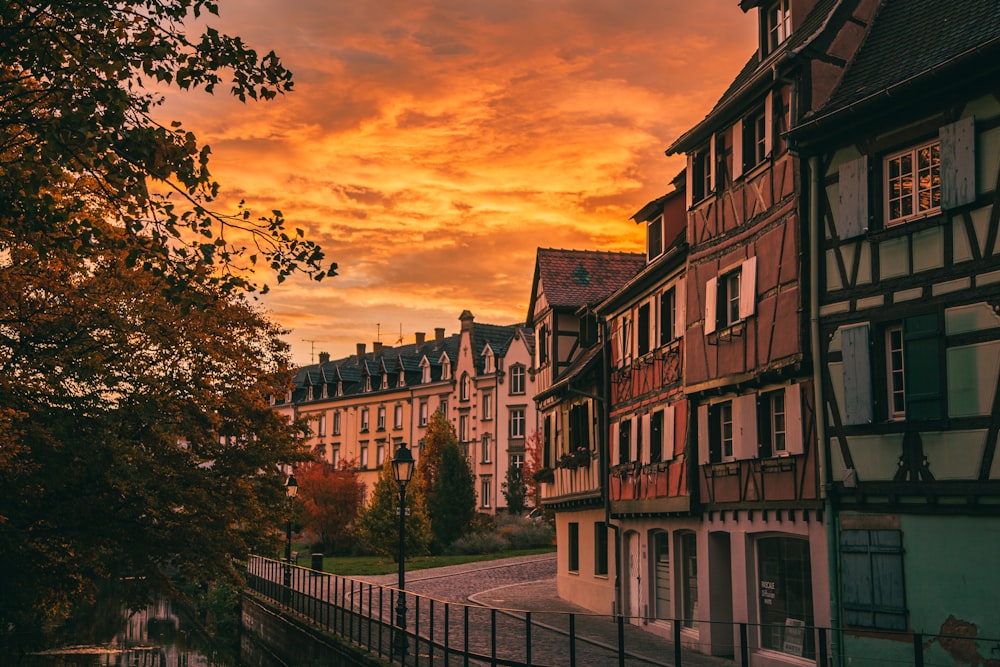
(833,565)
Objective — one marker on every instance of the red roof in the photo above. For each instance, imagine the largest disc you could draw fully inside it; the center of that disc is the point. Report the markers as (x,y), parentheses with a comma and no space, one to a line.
(573,278)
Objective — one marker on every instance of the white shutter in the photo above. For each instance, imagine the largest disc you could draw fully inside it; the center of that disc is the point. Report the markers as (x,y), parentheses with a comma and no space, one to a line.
(793,419)
(667,450)
(703,457)
(768,124)
(680,309)
(615,442)
(958,163)
(645,439)
(711,294)
(738,149)
(748,287)
(745,426)
(852,183)
(712,158)
(689,173)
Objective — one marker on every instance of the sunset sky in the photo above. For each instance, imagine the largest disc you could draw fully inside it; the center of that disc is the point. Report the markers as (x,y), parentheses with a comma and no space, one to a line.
(430,146)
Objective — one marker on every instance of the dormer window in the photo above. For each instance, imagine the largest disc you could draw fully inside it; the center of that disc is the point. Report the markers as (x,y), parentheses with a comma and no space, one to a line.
(385,380)
(368,383)
(488,366)
(445,367)
(425,370)
(777,25)
(654,238)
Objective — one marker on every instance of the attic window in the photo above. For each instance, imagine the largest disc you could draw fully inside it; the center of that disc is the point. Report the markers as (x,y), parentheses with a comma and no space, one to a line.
(654,238)
(777,25)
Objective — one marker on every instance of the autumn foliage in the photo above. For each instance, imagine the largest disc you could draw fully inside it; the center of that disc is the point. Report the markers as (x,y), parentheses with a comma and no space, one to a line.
(330,501)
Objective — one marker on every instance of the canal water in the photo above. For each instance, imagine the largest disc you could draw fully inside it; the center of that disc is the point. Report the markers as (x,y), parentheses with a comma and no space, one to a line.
(161,635)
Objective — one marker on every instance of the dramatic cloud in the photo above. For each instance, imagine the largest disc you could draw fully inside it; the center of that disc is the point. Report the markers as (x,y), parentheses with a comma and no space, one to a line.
(432,146)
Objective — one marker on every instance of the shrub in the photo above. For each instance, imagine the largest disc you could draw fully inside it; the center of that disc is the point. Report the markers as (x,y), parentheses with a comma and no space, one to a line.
(524,533)
(479,543)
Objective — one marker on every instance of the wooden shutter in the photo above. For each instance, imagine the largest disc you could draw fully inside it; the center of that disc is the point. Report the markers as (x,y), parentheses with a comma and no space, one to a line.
(853,183)
(768,124)
(857,375)
(712,164)
(703,449)
(680,309)
(737,149)
(745,427)
(669,434)
(874,593)
(958,163)
(711,296)
(922,354)
(748,287)
(794,441)
(689,177)
(642,438)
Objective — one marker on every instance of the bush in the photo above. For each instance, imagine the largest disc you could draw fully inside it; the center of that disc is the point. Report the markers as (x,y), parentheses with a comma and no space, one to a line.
(479,543)
(524,533)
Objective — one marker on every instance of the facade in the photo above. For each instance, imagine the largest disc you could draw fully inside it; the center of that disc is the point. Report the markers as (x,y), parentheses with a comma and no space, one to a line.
(649,476)
(570,398)
(905,163)
(362,407)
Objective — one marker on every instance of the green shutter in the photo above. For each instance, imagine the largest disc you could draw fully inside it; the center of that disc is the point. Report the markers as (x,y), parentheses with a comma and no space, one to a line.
(922,355)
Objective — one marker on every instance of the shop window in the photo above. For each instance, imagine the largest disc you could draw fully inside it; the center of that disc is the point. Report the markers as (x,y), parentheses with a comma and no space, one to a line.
(872,579)
(785,595)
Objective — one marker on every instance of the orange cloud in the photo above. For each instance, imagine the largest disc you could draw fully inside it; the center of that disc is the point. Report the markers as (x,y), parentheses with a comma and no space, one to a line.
(432,146)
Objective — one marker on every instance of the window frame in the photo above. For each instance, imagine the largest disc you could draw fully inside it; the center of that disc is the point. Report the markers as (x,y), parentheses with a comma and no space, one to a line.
(365,420)
(486,408)
(772,423)
(654,232)
(517,422)
(776,25)
(485,449)
(573,547)
(600,549)
(721,430)
(667,316)
(914,196)
(485,492)
(424,414)
(516,386)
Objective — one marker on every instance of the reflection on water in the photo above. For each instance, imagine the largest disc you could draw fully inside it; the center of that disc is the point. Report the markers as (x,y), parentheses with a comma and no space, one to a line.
(157,636)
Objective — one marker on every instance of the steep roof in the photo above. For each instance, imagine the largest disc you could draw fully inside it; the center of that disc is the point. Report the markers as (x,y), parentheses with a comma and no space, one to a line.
(910,43)
(574,278)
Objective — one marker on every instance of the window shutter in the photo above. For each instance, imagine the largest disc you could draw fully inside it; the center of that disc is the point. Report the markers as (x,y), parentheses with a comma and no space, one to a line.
(745,426)
(958,163)
(853,180)
(703,448)
(794,442)
(689,177)
(616,337)
(748,287)
(680,309)
(616,442)
(738,149)
(857,375)
(668,434)
(922,368)
(768,124)
(643,438)
(711,295)
(712,163)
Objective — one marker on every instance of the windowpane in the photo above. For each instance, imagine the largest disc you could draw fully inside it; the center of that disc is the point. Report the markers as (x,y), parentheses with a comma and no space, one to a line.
(913,182)
(785,595)
(661,547)
(895,371)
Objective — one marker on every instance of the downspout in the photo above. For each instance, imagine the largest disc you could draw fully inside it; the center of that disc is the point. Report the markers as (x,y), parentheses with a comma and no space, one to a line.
(605,464)
(821,450)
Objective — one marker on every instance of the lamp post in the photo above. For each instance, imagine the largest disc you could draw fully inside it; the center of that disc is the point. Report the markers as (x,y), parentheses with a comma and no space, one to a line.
(291,488)
(402,470)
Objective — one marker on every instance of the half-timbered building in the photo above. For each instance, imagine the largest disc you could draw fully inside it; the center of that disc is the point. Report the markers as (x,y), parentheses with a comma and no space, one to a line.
(571,403)
(760,554)
(905,180)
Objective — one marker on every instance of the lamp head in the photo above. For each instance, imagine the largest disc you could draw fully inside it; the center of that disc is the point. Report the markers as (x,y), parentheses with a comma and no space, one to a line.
(402,465)
(291,486)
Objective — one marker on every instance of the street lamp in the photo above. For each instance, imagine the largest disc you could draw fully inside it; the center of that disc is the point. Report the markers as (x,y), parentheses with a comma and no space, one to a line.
(291,488)
(402,470)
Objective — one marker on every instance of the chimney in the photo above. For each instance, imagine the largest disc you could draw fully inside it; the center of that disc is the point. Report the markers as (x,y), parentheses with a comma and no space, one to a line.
(361,351)
(377,347)
(466,318)
(324,357)
(439,335)
(421,338)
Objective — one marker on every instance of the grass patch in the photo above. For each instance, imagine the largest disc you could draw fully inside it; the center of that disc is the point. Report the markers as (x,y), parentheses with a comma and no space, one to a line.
(353,566)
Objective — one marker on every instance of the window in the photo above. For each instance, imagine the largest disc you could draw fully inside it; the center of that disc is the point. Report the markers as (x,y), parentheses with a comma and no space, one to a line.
(912,183)
(754,138)
(443,407)
(381,419)
(600,549)
(777,25)
(661,576)
(488,360)
(423,413)
(517,461)
(517,379)
(872,579)
(625,339)
(771,424)
(656,436)
(543,344)
(485,491)
(385,381)
(702,174)
(579,426)
(463,428)
(785,595)
(896,389)
(364,420)
(425,370)
(642,334)
(517,422)
(364,456)
(731,296)
(720,431)
(321,427)
(625,441)
(336,422)
(335,457)
(487,411)
(368,383)
(397,417)
(573,552)
(379,454)
(445,367)
(668,316)
(654,238)
(465,387)
(689,579)
(485,449)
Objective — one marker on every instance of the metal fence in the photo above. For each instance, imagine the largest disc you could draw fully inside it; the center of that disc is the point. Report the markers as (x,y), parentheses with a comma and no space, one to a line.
(452,633)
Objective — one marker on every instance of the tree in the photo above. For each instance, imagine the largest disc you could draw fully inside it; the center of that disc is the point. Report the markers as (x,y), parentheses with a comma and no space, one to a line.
(515,491)
(138,444)
(331,500)
(379,524)
(533,463)
(78,131)
(452,505)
